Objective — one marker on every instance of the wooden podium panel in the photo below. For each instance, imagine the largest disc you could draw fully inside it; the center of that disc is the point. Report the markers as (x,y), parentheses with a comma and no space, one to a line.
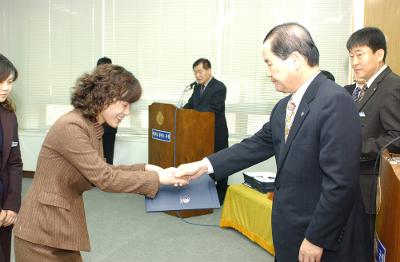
(189,135)
(388,207)
(178,136)
(194,135)
(161,117)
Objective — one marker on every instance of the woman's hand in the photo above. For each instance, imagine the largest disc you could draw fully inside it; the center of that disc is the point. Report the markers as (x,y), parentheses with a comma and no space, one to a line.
(167,177)
(150,167)
(7,218)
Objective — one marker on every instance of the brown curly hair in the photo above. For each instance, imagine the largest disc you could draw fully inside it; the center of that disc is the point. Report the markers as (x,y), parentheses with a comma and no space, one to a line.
(6,69)
(106,84)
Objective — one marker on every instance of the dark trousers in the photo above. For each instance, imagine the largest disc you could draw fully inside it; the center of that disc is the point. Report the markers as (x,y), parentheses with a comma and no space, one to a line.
(371,223)
(222,186)
(5,243)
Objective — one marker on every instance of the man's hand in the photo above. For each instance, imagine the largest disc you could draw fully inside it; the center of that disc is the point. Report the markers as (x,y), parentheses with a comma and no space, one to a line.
(192,170)
(309,252)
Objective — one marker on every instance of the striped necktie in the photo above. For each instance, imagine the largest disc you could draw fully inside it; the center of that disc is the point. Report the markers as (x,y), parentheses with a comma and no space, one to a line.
(356,93)
(359,93)
(290,109)
(362,92)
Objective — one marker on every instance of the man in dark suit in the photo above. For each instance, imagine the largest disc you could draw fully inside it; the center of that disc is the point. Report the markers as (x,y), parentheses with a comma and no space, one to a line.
(378,104)
(317,212)
(109,132)
(209,95)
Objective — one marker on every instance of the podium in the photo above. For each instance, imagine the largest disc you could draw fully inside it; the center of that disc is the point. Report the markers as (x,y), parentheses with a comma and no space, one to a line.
(388,209)
(178,136)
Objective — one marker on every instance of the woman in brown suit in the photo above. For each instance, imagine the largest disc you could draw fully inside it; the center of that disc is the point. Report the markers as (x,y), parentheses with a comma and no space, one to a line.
(10,156)
(51,224)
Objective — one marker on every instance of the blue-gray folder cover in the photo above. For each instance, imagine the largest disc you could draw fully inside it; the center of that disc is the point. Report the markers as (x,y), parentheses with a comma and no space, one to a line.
(199,194)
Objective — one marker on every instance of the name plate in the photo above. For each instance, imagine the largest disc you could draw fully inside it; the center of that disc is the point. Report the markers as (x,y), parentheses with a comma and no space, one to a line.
(161,135)
(380,251)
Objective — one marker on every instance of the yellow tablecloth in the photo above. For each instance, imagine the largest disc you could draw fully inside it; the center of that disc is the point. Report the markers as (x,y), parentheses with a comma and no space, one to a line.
(249,212)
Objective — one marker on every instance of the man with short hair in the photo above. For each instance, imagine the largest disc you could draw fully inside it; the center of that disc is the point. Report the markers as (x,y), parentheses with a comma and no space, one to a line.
(378,104)
(209,95)
(317,212)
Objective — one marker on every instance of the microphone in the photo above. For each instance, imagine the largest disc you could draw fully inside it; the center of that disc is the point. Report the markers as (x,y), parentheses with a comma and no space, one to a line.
(191,86)
(187,88)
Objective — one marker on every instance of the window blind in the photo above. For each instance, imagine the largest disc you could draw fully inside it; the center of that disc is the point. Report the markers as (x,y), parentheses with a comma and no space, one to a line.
(53,42)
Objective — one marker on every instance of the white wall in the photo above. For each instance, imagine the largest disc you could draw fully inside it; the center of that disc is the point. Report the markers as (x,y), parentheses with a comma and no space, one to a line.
(128,149)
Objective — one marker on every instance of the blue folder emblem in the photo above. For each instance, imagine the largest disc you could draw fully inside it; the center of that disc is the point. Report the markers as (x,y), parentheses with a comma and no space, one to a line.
(380,251)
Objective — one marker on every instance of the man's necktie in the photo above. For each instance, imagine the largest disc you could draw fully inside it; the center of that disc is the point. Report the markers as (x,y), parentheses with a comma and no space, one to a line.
(290,109)
(362,92)
(359,93)
(202,89)
(356,93)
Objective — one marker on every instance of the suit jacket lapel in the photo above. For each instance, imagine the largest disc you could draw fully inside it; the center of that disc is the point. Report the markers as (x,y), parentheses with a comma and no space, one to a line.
(301,114)
(351,89)
(280,116)
(372,89)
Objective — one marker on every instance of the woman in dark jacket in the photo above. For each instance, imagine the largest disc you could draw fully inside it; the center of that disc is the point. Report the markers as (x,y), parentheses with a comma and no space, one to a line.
(10,156)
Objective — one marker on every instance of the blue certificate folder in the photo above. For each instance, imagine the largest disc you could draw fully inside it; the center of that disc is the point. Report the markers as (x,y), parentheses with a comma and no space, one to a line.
(199,194)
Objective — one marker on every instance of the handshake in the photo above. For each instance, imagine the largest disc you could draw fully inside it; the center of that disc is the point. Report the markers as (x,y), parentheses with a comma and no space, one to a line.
(179,176)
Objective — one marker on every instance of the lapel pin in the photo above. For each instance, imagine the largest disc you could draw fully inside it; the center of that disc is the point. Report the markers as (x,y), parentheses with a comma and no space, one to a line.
(302,114)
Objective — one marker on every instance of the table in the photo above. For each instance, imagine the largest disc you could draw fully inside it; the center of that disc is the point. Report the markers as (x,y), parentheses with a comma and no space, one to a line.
(249,212)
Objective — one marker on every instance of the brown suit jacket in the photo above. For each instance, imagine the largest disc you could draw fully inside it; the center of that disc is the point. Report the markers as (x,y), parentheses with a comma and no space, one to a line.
(11,163)
(70,163)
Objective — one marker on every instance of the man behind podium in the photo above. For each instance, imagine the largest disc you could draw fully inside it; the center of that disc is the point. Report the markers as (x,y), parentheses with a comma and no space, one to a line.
(209,96)
(378,106)
(317,212)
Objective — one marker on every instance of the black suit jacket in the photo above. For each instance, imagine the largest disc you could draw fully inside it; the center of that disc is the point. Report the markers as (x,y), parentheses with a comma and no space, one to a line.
(380,118)
(350,88)
(11,163)
(10,176)
(212,100)
(317,193)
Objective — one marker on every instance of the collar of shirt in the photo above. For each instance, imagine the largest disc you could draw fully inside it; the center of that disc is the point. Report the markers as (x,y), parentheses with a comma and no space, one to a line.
(298,95)
(359,86)
(206,84)
(372,79)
